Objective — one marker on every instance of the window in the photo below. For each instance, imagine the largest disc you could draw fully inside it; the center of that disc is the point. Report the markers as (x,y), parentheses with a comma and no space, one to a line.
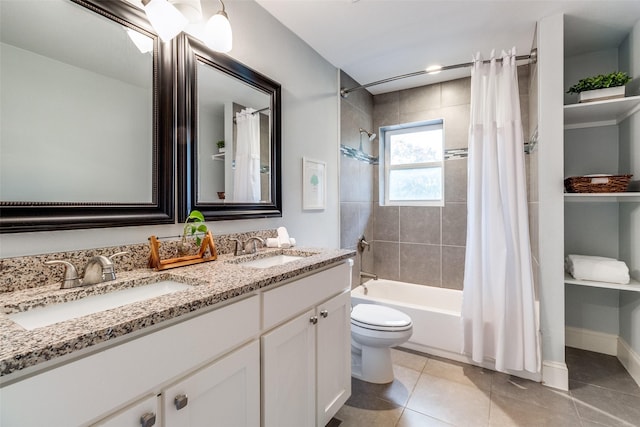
(413,164)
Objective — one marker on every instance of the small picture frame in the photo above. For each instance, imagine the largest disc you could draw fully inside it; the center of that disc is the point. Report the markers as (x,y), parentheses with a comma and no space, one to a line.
(314,184)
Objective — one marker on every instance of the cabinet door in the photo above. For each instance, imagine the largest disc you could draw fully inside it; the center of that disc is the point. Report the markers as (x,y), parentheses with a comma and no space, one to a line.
(225,393)
(288,373)
(145,414)
(333,356)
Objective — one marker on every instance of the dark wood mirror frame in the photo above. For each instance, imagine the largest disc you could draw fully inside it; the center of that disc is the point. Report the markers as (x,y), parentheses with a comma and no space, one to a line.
(22,216)
(190,52)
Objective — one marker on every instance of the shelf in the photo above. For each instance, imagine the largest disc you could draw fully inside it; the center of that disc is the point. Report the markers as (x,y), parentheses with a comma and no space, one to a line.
(218,156)
(602,197)
(599,113)
(633,286)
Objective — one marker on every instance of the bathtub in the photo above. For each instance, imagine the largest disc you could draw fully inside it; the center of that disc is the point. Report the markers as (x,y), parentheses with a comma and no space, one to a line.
(435,312)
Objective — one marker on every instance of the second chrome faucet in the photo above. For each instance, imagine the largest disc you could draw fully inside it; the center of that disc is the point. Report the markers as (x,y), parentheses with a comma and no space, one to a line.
(248,247)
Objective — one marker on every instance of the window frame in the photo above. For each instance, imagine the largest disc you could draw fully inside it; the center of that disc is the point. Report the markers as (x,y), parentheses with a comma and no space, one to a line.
(385,142)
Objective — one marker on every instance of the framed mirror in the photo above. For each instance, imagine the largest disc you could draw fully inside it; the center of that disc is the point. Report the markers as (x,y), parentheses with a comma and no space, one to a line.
(229,164)
(86,117)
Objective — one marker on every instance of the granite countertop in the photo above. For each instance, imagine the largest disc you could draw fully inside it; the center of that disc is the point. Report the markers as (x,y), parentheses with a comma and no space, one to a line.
(212,282)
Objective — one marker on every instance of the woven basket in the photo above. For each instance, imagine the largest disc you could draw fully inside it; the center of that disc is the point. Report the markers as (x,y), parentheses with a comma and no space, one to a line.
(597,184)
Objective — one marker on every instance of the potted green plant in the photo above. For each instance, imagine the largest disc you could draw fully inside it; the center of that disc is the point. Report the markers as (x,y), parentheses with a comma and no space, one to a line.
(220,145)
(193,225)
(602,86)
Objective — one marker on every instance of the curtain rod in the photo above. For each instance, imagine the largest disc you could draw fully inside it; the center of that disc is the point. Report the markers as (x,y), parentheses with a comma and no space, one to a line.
(533,56)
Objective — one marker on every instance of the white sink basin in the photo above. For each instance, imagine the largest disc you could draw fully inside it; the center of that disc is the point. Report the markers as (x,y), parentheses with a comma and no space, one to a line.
(271,261)
(48,315)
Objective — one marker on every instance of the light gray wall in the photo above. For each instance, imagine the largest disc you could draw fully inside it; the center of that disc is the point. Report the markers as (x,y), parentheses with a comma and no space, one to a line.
(551,199)
(210,171)
(310,114)
(630,212)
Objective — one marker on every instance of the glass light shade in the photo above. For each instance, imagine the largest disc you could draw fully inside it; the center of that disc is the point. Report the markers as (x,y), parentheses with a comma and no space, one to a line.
(142,42)
(191,9)
(165,19)
(217,33)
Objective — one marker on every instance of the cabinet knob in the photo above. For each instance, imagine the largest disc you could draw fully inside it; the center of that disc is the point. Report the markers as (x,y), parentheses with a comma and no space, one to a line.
(313,319)
(148,419)
(181,401)
(324,313)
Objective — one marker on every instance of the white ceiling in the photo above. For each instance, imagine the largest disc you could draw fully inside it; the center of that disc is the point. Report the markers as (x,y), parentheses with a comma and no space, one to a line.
(375,39)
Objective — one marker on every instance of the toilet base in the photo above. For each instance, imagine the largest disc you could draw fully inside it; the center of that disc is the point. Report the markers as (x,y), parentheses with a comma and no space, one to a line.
(372,365)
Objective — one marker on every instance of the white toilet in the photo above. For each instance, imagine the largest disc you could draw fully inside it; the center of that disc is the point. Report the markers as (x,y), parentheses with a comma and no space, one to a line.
(374,330)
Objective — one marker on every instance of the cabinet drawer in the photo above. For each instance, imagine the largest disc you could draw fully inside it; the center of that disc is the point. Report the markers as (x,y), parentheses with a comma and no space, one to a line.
(288,300)
(91,387)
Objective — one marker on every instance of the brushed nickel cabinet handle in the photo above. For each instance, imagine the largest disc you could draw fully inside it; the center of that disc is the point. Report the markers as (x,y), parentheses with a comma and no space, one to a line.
(324,313)
(181,401)
(148,419)
(313,319)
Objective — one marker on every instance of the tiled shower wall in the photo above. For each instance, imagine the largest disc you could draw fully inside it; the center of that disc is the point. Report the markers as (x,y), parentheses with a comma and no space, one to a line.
(423,245)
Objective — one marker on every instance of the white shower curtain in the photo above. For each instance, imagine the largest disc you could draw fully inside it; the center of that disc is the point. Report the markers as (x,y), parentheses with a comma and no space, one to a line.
(498,309)
(246,175)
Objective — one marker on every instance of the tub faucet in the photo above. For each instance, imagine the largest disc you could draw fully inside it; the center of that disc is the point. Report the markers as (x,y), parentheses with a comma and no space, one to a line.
(368,275)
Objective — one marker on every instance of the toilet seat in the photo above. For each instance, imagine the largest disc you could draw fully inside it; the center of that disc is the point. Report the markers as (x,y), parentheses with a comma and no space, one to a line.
(379,318)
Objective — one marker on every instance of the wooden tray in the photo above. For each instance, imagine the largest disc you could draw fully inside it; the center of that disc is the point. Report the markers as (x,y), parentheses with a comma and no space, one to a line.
(164,264)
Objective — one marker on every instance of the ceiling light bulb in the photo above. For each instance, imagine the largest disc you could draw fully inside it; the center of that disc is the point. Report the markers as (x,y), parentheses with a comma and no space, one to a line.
(434,69)
(165,18)
(217,32)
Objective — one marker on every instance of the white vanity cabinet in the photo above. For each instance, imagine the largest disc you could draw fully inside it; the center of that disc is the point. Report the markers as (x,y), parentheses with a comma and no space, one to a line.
(145,413)
(306,361)
(102,386)
(225,394)
(279,357)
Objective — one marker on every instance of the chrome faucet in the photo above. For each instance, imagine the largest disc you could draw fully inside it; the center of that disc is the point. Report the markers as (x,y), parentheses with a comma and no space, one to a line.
(248,247)
(251,245)
(98,269)
(362,244)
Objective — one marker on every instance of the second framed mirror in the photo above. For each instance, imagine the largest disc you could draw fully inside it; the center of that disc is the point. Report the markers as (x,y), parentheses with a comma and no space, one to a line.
(228,137)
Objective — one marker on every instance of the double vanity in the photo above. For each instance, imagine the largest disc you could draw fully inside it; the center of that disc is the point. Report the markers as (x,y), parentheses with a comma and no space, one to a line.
(253,340)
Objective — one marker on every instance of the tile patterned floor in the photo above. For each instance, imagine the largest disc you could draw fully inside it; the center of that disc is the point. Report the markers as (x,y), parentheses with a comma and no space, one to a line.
(430,391)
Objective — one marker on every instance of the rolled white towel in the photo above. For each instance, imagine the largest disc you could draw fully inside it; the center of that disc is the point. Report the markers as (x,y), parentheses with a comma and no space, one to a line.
(283,238)
(272,242)
(598,269)
(292,241)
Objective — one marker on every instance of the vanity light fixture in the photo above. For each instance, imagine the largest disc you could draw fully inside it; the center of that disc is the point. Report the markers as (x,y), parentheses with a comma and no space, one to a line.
(165,18)
(217,32)
(170,17)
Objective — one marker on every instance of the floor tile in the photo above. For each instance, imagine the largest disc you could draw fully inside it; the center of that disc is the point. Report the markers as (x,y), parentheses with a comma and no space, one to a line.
(372,413)
(605,406)
(397,391)
(599,369)
(532,393)
(506,412)
(450,401)
(411,418)
(462,373)
(408,359)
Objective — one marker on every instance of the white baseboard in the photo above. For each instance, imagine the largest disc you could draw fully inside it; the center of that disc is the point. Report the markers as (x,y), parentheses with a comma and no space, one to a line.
(629,359)
(586,339)
(555,374)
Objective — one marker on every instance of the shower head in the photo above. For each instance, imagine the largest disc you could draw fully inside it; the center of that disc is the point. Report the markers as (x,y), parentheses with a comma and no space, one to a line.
(371,135)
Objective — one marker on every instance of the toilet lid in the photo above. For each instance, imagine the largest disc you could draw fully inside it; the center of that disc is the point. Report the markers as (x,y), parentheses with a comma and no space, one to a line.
(379,316)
